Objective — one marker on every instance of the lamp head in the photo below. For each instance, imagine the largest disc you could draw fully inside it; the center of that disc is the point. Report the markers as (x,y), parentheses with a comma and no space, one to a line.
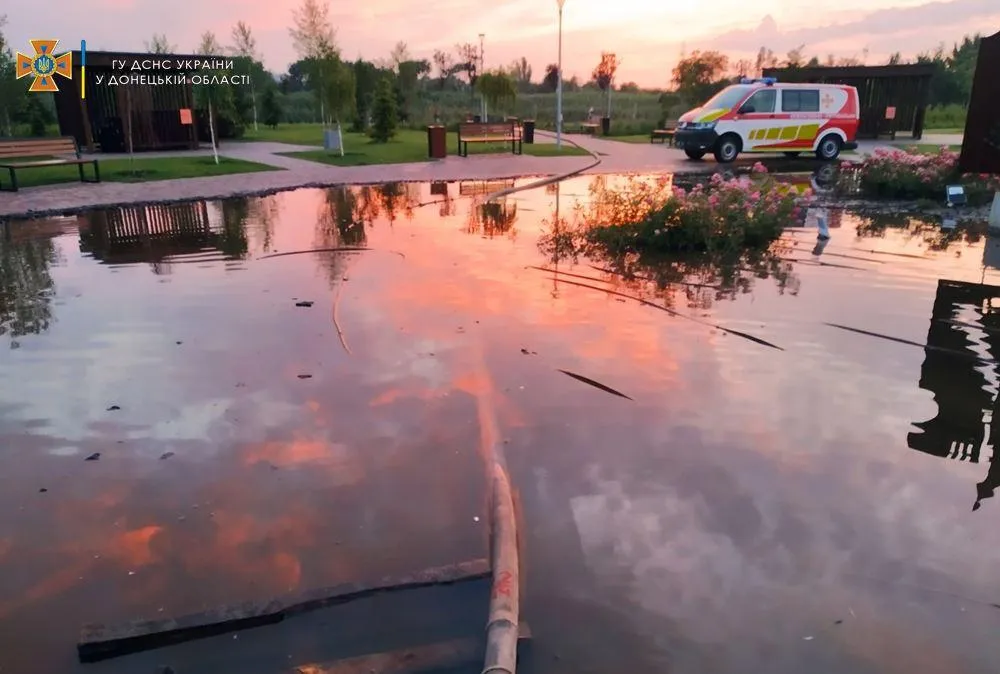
(560,3)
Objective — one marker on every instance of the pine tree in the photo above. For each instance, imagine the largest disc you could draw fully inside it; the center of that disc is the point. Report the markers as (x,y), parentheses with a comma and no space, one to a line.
(385,115)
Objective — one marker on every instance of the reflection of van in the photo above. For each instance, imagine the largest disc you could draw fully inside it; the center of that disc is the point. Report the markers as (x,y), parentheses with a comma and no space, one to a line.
(768,116)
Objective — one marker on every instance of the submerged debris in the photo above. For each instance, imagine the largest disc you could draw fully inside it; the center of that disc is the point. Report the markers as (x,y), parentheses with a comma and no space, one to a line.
(166,455)
(900,340)
(595,384)
(305,376)
(114,408)
(304,303)
(93,457)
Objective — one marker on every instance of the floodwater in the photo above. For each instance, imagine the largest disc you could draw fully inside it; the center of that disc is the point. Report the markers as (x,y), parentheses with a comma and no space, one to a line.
(823,506)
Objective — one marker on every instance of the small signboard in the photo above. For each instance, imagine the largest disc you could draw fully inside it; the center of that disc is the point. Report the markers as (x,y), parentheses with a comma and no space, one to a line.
(186,117)
(890,112)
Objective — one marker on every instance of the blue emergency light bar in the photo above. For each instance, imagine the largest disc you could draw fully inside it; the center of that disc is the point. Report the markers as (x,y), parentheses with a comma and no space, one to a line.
(764,80)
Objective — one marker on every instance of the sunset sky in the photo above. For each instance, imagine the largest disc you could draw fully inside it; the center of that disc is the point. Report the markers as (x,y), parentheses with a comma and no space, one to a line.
(648,36)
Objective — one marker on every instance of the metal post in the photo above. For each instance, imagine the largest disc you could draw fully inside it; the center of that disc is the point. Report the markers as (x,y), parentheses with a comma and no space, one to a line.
(559,119)
(482,66)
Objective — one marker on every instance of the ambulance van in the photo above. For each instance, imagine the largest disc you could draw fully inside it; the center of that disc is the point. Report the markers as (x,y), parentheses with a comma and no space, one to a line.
(769,116)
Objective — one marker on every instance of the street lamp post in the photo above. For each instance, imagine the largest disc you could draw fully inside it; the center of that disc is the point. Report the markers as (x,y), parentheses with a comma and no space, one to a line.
(482,65)
(559,115)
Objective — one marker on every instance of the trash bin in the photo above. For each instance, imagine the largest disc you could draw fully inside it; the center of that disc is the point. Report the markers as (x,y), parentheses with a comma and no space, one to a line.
(437,144)
(606,126)
(529,131)
(478,119)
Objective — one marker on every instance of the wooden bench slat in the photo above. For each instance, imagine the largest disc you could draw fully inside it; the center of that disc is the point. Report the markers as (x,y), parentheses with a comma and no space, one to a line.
(42,150)
(45,162)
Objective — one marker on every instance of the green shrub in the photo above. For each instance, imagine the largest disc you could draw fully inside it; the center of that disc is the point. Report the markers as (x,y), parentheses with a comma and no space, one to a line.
(945,117)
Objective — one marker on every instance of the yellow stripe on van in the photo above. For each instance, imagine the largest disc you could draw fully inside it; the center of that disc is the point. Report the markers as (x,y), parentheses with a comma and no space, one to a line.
(789,133)
(808,131)
(772,134)
(711,116)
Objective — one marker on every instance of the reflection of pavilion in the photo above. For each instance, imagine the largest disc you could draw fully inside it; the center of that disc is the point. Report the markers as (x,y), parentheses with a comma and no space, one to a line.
(479,187)
(163,233)
(959,369)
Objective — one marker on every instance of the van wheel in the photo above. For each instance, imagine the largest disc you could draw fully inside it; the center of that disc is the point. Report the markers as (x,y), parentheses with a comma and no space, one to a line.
(791,155)
(829,148)
(694,154)
(727,148)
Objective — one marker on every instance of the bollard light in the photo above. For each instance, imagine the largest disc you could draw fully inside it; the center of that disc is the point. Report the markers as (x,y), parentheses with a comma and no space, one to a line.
(955,196)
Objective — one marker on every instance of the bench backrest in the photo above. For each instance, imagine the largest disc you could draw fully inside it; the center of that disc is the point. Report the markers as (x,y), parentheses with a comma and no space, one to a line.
(37,147)
(491,129)
(670,126)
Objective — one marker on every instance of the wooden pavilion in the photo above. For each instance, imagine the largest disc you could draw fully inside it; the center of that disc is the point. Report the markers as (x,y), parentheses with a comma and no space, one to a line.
(102,119)
(893,98)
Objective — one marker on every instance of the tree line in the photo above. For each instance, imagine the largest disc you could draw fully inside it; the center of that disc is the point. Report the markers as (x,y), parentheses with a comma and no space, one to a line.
(701,74)
(376,96)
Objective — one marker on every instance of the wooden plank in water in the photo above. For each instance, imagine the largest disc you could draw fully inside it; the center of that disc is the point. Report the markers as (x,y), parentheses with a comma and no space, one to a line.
(101,642)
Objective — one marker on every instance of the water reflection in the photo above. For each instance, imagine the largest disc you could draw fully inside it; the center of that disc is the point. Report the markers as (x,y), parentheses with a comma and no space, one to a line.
(931,233)
(164,234)
(26,284)
(493,218)
(960,370)
(369,466)
(696,279)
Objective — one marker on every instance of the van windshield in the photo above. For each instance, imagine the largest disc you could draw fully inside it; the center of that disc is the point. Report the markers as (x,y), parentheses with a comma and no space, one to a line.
(728,97)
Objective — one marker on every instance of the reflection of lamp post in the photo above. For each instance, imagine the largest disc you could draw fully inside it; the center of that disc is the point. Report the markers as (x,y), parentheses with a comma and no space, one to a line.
(559,84)
(482,65)
(558,242)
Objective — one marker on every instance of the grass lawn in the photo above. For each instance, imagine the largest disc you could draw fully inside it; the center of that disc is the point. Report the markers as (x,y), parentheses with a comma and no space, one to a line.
(951,130)
(141,170)
(293,134)
(929,148)
(410,146)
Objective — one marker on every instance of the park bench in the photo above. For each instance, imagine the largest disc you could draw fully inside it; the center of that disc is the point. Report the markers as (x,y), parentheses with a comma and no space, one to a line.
(494,132)
(590,126)
(664,135)
(56,151)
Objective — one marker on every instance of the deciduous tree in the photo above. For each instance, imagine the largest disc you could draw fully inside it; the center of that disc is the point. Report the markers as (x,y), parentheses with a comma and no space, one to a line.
(244,48)
(551,80)
(316,42)
(445,64)
(12,93)
(159,45)
(700,75)
(604,74)
(468,61)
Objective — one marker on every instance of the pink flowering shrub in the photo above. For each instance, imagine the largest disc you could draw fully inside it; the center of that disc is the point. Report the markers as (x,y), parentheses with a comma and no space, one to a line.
(722,214)
(897,174)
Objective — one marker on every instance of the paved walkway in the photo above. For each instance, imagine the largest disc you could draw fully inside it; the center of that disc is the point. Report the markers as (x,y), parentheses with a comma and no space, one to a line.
(616,157)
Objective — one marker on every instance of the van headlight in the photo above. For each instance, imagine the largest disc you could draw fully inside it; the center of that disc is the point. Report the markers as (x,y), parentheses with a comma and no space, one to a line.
(700,126)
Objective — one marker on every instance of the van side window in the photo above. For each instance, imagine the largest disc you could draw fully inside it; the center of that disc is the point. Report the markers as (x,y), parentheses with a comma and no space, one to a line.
(762,101)
(800,100)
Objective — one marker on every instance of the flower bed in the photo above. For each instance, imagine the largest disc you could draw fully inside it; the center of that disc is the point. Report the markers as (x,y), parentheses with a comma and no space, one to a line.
(898,174)
(724,214)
